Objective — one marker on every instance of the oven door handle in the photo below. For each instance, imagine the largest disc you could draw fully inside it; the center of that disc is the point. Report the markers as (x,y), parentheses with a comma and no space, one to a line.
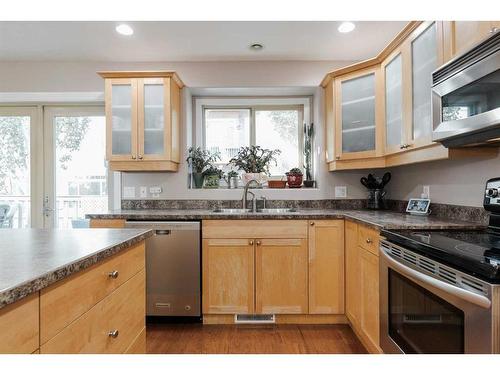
(473,298)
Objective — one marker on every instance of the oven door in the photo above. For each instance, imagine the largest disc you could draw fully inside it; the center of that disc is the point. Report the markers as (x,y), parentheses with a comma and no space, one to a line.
(467,103)
(420,313)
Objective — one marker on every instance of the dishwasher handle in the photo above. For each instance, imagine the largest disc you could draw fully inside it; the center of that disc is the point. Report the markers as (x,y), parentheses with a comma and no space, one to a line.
(162,232)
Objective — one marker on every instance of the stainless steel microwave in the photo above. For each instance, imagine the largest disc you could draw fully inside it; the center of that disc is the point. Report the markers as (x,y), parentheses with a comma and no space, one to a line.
(466,97)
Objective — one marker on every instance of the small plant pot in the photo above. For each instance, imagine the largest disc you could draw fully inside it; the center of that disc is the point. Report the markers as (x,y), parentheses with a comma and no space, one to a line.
(198,180)
(212,182)
(308,183)
(294,180)
(276,184)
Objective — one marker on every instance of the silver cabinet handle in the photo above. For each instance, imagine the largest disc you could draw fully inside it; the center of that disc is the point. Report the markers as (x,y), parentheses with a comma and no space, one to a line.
(368,240)
(133,157)
(250,242)
(473,298)
(140,157)
(311,223)
(113,334)
(258,243)
(113,274)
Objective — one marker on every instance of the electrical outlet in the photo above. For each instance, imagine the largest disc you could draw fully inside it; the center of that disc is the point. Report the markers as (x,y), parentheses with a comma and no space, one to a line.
(155,190)
(340,191)
(128,192)
(144,192)
(426,192)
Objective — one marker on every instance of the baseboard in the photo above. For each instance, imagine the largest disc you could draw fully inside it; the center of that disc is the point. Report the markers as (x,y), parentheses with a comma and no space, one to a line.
(365,340)
(282,319)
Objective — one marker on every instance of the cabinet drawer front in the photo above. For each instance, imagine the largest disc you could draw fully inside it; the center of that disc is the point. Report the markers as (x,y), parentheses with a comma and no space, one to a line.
(368,239)
(254,229)
(19,326)
(63,302)
(122,311)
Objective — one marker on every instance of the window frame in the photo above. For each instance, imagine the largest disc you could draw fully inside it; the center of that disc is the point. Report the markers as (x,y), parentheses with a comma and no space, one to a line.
(252,125)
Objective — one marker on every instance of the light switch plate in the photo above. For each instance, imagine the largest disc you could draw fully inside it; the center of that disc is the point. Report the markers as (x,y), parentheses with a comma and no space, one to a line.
(340,191)
(144,192)
(128,192)
(426,192)
(155,190)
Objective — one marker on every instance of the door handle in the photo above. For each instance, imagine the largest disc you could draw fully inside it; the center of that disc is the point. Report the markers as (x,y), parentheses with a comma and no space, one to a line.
(473,298)
(162,232)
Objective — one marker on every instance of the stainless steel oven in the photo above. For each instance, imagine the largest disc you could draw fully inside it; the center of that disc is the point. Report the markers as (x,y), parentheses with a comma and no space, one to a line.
(466,97)
(427,307)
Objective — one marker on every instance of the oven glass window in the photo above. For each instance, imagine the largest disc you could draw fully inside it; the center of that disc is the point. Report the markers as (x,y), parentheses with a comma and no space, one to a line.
(421,322)
(473,99)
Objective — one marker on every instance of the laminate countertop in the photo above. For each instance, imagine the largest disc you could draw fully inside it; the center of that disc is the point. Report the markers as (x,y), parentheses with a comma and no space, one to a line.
(32,259)
(376,219)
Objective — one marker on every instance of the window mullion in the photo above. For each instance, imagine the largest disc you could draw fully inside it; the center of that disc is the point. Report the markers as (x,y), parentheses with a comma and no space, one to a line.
(253,135)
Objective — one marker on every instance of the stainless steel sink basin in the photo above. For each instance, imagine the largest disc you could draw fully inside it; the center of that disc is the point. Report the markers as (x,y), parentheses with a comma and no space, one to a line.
(276,210)
(232,210)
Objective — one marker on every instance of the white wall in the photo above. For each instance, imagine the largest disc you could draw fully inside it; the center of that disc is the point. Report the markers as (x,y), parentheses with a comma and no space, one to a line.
(459,182)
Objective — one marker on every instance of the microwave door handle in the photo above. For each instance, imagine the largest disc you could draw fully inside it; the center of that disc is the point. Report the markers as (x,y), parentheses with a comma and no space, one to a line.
(473,298)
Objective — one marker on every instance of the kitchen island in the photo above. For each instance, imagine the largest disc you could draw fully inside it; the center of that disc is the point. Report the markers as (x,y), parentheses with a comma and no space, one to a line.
(72,291)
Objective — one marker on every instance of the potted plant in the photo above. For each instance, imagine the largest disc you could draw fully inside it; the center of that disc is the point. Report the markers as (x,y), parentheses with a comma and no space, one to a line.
(308,143)
(212,177)
(199,160)
(232,179)
(255,162)
(294,178)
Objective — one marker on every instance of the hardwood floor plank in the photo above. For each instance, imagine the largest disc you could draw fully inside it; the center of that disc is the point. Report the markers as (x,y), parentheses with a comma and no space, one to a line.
(242,339)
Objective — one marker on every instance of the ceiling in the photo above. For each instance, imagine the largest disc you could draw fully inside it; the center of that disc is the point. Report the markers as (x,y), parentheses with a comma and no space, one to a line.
(192,41)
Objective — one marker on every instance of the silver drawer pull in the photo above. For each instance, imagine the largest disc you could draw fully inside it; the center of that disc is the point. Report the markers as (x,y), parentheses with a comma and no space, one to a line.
(113,275)
(368,240)
(113,334)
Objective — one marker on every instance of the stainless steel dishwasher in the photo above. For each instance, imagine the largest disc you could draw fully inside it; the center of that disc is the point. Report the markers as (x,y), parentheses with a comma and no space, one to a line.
(172,268)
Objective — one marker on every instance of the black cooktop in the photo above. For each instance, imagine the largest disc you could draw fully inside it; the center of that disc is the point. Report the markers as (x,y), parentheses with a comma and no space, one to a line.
(476,253)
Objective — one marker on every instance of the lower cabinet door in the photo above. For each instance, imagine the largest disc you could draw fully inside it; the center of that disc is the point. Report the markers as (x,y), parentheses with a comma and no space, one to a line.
(281,276)
(352,279)
(370,320)
(326,267)
(228,276)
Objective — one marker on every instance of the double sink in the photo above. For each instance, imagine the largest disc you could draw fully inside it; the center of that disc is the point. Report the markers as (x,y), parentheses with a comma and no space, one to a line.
(239,211)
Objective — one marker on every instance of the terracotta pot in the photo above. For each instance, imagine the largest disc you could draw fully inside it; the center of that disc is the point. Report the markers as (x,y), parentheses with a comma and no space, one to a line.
(294,180)
(276,184)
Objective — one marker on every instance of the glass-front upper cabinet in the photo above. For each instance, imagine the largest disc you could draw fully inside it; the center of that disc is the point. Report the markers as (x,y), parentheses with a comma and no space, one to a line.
(395,135)
(356,130)
(425,58)
(143,120)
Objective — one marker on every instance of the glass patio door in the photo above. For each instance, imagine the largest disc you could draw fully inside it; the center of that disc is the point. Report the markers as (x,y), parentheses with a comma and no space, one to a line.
(18,169)
(76,176)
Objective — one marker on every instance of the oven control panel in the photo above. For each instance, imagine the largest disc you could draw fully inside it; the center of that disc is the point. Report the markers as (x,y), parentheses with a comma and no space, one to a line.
(492,195)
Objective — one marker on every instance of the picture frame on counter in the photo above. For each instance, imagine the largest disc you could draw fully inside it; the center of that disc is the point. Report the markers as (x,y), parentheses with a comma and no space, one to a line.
(418,206)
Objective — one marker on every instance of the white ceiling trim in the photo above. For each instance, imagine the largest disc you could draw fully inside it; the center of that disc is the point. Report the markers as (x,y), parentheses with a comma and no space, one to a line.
(52,97)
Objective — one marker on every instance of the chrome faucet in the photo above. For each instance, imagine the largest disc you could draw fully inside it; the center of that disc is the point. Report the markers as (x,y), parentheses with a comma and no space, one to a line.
(245,193)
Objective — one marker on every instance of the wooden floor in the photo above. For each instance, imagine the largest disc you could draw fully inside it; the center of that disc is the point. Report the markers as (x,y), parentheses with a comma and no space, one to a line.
(230,339)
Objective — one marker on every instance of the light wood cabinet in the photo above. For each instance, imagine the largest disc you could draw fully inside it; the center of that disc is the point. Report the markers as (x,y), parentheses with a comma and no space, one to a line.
(228,276)
(369,317)
(281,276)
(378,111)
(462,35)
(326,267)
(19,326)
(353,288)
(362,283)
(142,120)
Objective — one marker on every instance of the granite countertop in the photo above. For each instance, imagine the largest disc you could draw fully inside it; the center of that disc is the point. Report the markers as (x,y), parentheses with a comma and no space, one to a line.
(376,219)
(32,259)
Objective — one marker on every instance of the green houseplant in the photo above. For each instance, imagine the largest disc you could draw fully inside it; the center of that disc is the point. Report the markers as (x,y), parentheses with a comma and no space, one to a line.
(255,162)
(308,143)
(199,160)
(294,178)
(212,177)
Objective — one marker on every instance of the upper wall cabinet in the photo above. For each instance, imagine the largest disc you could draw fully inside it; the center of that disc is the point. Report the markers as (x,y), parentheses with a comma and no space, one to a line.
(378,112)
(142,120)
(459,36)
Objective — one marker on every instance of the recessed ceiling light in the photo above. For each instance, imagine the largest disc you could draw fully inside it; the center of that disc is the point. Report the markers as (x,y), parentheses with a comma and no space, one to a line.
(124,29)
(346,27)
(256,46)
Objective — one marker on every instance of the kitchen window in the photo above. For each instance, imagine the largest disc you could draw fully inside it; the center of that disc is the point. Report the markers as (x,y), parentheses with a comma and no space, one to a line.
(226,129)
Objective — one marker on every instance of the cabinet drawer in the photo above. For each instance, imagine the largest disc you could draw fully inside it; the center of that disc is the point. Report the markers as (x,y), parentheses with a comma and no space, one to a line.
(254,229)
(19,326)
(368,239)
(122,311)
(63,302)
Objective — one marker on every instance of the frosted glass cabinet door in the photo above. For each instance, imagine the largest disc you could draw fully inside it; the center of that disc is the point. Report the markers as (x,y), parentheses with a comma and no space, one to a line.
(154,119)
(121,127)
(424,62)
(358,114)
(394,104)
